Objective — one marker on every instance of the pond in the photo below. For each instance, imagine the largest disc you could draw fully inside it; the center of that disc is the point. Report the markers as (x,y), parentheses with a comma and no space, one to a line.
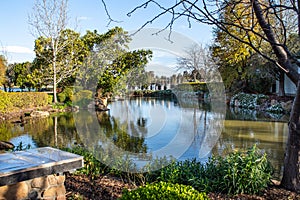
(144,127)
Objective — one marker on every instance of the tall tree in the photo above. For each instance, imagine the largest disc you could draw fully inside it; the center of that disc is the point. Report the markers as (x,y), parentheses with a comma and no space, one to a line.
(261,30)
(195,61)
(48,21)
(103,50)
(3,66)
(70,57)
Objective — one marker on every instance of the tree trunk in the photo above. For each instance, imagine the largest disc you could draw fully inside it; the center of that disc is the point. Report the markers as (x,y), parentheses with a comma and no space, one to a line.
(54,76)
(281,91)
(291,173)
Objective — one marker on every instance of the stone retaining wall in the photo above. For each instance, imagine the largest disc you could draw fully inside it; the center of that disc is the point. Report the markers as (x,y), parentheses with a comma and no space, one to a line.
(49,187)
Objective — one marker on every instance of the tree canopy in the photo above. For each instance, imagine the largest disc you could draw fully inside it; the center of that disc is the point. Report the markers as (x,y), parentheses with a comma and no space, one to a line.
(3,67)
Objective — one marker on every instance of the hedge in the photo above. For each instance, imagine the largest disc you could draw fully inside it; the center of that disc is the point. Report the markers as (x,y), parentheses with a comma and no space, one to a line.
(10,101)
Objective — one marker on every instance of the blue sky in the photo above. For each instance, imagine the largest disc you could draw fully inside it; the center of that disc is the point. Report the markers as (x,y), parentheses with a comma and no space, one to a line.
(18,42)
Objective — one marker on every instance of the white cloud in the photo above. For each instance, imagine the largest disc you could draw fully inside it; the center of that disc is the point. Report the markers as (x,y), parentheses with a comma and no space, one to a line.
(16,49)
(160,70)
(83,18)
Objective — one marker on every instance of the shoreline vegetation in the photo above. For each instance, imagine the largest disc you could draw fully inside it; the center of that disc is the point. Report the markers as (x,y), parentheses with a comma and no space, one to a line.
(219,179)
(16,106)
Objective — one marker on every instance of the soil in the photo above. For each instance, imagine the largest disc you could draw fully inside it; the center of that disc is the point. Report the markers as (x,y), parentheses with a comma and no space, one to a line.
(110,188)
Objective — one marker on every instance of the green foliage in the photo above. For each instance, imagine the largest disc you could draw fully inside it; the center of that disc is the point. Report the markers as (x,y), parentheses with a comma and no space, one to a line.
(21,75)
(239,172)
(192,87)
(92,167)
(116,75)
(163,190)
(3,67)
(243,172)
(50,98)
(19,100)
(66,95)
(82,98)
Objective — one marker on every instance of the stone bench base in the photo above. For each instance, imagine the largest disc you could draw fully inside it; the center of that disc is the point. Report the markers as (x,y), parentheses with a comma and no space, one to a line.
(30,174)
(49,187)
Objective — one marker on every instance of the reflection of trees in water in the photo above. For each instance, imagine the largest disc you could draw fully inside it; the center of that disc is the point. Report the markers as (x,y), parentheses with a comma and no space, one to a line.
(57,131)
(268,136)
(9,130)
(53,131)
(118,133)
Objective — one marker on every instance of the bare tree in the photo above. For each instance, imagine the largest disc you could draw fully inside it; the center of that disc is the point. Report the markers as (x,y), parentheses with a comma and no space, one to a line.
(49,19)
(193,61)
(258,24)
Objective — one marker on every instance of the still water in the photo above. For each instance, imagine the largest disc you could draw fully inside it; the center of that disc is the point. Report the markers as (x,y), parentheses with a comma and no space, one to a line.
(158,127)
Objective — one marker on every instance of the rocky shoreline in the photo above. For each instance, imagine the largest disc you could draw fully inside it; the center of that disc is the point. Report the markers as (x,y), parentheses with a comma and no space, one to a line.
(260,102)
(20,115)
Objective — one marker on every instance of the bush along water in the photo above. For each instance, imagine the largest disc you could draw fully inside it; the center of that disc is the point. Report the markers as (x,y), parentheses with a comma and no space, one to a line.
(239,172)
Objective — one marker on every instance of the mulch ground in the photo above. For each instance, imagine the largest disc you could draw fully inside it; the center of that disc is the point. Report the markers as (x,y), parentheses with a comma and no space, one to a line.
(110,188)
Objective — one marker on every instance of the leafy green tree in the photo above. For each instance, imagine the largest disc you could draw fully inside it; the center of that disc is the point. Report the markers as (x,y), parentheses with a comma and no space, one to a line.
(239,64)
(72,52)
(20,75)
(3,66)
(55,47)
(115,76)
(109,64)
(103,49)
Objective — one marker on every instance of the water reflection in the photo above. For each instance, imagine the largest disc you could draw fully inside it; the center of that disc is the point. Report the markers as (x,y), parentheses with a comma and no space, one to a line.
(153,127)
(55,131)
(149,128)
(271,137)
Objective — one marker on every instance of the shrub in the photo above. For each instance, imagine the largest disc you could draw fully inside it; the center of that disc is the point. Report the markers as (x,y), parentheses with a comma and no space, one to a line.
(186,172)
(249,101)
(66,95)
(277,108)
(239,172)
(242,172)
(163,190)
(92,167)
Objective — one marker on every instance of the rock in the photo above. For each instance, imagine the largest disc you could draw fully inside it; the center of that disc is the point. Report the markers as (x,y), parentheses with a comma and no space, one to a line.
(4,145)
(101,104)
(39,114)
(91,105)
(287,106)
(273,102)
(236,103)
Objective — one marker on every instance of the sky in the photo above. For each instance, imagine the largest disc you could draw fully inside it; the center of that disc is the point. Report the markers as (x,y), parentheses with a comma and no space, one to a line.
(17,42)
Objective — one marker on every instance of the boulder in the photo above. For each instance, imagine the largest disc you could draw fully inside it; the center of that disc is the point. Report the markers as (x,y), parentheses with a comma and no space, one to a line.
(101,104)
(39,114)
(287,106)
(4,145)
(273,102)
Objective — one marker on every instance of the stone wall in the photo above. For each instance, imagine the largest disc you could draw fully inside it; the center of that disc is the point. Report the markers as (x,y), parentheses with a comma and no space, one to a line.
(49,187)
